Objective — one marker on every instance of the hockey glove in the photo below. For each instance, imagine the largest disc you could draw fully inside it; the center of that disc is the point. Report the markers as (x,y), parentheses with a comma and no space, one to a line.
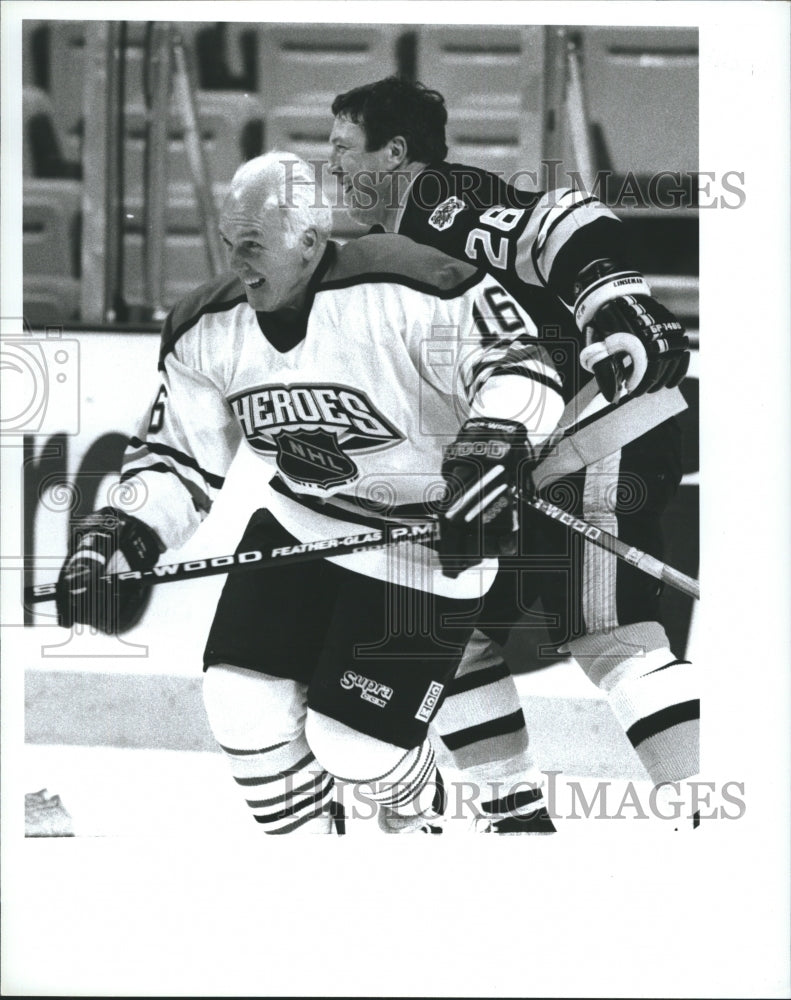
(482,469)
(98,541)
(631,338)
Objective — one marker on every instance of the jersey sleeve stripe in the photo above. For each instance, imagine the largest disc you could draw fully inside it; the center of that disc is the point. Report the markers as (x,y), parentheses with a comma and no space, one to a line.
(564,203)
(564,228)
(549,224)
(540,242)
(528,359)
(520,369)
(525,345)
(178,456)
(524,262)
(515,360)
(512,369)
(200,499)
(536,266)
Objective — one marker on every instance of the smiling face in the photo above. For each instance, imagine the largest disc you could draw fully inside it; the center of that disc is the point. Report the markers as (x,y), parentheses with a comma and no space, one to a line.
(370,187)
(273,264)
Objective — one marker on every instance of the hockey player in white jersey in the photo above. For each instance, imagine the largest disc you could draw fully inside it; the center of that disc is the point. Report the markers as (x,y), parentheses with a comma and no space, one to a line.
(561,255)
(362,378)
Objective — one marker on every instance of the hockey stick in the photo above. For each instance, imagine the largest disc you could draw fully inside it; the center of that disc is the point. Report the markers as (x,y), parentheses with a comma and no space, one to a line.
(628,553)
(254,559)
(426,531)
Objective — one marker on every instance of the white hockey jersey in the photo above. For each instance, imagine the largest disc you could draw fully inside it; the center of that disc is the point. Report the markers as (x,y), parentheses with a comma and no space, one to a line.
(349,403)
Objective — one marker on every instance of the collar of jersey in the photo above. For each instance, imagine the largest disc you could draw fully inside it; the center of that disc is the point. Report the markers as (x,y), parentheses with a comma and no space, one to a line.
(437,169)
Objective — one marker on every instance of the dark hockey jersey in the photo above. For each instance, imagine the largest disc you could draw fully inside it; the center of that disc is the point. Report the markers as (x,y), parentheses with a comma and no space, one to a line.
(534,243)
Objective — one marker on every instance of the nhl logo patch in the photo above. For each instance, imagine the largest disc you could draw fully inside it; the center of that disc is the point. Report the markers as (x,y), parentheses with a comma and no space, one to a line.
(314,457)
(443,215)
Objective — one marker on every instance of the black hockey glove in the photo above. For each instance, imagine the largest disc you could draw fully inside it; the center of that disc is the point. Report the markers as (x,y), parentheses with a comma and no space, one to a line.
(81,593)
(483,468)
(631,338)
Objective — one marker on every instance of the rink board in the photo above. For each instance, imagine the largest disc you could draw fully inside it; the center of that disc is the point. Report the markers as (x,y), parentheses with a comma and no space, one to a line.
(132,756)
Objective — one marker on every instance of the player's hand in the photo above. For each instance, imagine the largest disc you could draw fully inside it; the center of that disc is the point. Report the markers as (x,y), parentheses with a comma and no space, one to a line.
(632,340)
(482,469)
(105,542)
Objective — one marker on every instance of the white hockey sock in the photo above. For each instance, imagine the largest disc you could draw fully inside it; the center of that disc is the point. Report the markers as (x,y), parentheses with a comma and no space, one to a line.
(413,787)
(654,696)
(481,724)
(284,786)
(408,785)
(258,721)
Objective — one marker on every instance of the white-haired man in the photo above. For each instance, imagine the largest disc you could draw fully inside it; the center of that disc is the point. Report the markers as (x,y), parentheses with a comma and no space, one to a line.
(351,372)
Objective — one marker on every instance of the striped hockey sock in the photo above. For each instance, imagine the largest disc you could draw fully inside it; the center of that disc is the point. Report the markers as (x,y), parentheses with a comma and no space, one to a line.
(517,806)
(654,696)
(412,795)
(481,724)
(285,788)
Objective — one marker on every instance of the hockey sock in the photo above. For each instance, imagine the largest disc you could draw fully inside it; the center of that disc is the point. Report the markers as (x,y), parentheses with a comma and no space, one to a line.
(406,785)
(258,721)
(480,723)
(284,787)
(654,695)
(515,804)
(411,795)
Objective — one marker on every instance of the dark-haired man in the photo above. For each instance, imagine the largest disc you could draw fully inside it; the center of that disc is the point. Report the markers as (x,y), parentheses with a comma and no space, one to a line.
(562,255)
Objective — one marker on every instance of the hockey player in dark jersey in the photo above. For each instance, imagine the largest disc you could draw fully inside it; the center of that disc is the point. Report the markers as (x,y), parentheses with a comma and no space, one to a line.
(349,372)
(561,255)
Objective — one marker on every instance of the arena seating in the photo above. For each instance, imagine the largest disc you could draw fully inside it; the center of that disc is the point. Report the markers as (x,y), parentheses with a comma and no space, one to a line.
(661,66)
(50,226)
(269,85)
(51,298)
(489,76)
(305,65)
(67,80)
(185,260)
(42,138)
(222,116)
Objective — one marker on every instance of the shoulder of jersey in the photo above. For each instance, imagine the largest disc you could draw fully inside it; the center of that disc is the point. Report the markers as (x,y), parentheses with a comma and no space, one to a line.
(476,187)
(398,260)
(222,293)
